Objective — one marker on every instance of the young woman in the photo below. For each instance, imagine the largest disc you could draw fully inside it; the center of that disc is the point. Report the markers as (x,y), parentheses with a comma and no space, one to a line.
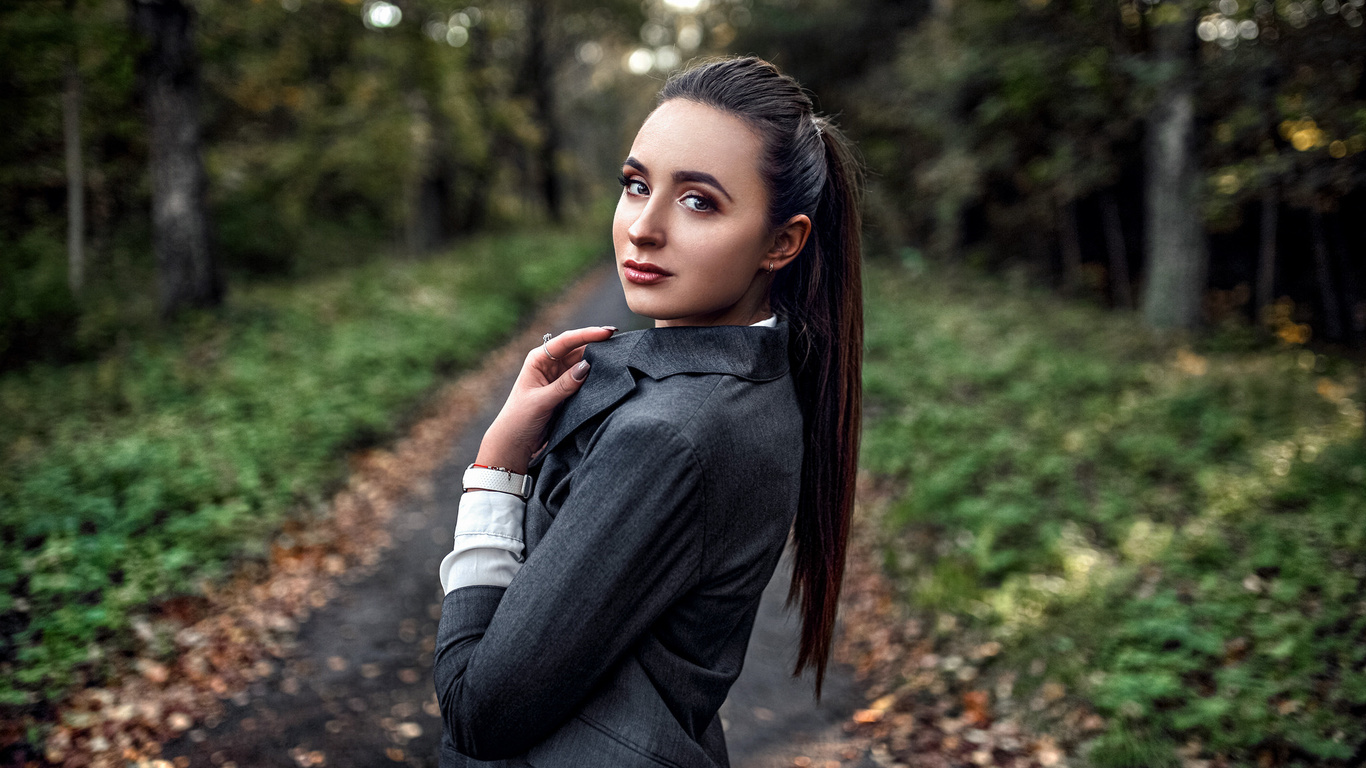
(606,572)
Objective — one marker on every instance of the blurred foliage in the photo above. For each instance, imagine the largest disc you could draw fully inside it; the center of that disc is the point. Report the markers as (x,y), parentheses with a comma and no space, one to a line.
(136,477)
(328,141)
(985,122)
(1173,534)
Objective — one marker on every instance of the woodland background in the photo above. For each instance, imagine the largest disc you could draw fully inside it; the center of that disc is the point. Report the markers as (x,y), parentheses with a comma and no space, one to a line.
(241,240)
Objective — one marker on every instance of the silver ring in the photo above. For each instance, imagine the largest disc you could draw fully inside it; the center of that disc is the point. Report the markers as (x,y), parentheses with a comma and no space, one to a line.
(544,341)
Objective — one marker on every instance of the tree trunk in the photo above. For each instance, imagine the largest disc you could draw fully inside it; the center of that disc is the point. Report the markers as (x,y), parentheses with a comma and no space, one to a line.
(425,194)
(1120,288)
(541,73)
(1266,265)
(1176,254)
(169,76)
(1351,286)
(473,209)
(75,179)
(1070,243)
(1323,275)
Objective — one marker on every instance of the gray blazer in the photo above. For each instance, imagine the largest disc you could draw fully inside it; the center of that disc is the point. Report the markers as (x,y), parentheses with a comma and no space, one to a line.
(662,503)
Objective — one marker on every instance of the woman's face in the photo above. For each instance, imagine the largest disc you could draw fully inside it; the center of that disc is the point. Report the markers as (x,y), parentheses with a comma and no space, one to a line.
(691,230)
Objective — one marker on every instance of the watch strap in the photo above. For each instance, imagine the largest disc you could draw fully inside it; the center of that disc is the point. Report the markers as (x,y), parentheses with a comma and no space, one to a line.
(497,479)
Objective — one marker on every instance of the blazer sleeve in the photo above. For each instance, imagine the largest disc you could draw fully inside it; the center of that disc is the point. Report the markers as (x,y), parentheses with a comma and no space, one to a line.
(511,664)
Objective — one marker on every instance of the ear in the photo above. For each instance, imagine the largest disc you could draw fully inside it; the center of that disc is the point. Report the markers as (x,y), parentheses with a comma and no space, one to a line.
(788,241)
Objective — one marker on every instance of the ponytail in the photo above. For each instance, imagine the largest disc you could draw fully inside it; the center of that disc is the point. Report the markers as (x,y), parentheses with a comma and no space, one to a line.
(821,294)
(809,168)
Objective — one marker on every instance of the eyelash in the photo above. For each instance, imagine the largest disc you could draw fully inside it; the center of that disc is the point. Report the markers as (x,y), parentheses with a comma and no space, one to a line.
(709,204)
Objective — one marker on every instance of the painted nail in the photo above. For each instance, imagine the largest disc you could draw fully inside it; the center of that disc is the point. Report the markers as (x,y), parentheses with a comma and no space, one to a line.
(580,371)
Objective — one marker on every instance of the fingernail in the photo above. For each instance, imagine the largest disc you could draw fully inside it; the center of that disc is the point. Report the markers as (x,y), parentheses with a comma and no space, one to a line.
(580,371)
(611,328)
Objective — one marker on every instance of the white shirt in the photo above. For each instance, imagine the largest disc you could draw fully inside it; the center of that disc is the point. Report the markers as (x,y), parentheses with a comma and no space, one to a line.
(489,548)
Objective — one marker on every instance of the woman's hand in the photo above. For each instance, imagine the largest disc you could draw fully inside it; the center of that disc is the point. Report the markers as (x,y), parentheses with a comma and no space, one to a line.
(519,430)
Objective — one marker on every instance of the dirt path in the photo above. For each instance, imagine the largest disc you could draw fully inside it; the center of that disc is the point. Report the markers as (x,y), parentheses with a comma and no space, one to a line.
(356,689)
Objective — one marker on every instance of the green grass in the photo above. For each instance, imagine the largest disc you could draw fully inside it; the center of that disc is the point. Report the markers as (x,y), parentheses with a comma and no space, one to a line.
(173,458)
(1178,535)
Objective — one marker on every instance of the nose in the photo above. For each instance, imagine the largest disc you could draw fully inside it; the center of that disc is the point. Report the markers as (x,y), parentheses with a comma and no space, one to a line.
(647,231)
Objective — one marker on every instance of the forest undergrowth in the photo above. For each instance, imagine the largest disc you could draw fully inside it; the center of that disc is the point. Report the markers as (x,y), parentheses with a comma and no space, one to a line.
(153,473)
(1151,549)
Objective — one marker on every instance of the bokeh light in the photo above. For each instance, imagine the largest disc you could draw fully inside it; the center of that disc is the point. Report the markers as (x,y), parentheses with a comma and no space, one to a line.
(667,58)
(382,15)
(589,53)
(640,61)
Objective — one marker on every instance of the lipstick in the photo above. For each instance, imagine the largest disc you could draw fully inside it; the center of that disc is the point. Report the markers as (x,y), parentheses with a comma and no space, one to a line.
(642,273)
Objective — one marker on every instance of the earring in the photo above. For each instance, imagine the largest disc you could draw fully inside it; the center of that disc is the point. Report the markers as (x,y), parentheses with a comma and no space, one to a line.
(770,266)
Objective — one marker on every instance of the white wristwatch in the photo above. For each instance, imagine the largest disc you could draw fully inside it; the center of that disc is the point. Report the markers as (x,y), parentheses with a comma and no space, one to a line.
(497,479)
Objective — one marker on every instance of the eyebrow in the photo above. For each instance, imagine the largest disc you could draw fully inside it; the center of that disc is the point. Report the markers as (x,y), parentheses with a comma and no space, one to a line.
(682,176)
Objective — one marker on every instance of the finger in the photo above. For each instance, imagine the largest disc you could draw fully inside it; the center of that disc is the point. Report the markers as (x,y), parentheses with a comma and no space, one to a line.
(539,370)
(574,356)
(560,346)
(567,384)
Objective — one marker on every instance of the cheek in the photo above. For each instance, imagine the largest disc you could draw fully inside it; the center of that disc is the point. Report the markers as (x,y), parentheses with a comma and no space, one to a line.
(621,222)
(739,249)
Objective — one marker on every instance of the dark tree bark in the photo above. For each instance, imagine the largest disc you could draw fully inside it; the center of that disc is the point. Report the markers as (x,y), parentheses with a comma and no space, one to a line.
(1266,265)
(474,208)
(426,193)
(1351,285)
(1323,275)
(168,72)
(75,179)
(1176,255)
(1070,244)
(1120,289)
(540,76)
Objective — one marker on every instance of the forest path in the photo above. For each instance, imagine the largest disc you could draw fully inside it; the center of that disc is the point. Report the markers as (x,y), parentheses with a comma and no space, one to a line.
(356,689)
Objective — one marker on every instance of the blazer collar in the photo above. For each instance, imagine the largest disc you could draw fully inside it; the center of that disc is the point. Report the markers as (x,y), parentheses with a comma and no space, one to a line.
(755,354)
(746,352)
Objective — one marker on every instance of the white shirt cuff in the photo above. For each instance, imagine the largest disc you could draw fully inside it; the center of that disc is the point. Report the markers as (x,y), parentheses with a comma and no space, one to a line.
(489,548)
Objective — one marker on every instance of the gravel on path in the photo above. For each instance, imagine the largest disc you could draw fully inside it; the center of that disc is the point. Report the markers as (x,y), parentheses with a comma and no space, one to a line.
(356,688)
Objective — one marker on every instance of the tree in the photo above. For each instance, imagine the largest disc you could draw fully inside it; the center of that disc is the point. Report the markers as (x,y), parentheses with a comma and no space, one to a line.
(75,164)
(1176,255)
(540,80)
(168,69)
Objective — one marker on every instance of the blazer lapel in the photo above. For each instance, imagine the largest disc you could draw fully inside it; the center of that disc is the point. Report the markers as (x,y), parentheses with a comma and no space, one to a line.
(755,354)
(609,380)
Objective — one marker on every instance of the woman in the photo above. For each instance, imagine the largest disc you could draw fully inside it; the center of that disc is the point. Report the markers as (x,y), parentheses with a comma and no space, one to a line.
(606,575)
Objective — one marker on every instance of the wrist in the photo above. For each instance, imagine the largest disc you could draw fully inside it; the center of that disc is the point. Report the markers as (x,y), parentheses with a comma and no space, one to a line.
(499,449)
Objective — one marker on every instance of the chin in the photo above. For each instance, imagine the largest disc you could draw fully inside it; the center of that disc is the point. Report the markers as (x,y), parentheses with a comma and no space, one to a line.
(644,307)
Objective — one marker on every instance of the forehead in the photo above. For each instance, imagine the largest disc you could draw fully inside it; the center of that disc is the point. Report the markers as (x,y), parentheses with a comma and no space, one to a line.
(685,135)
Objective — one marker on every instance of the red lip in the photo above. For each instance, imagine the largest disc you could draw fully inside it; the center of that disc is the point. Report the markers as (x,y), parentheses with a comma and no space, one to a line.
(642,273)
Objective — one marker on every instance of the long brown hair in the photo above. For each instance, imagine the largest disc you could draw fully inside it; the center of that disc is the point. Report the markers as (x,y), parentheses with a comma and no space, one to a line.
(809,168)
